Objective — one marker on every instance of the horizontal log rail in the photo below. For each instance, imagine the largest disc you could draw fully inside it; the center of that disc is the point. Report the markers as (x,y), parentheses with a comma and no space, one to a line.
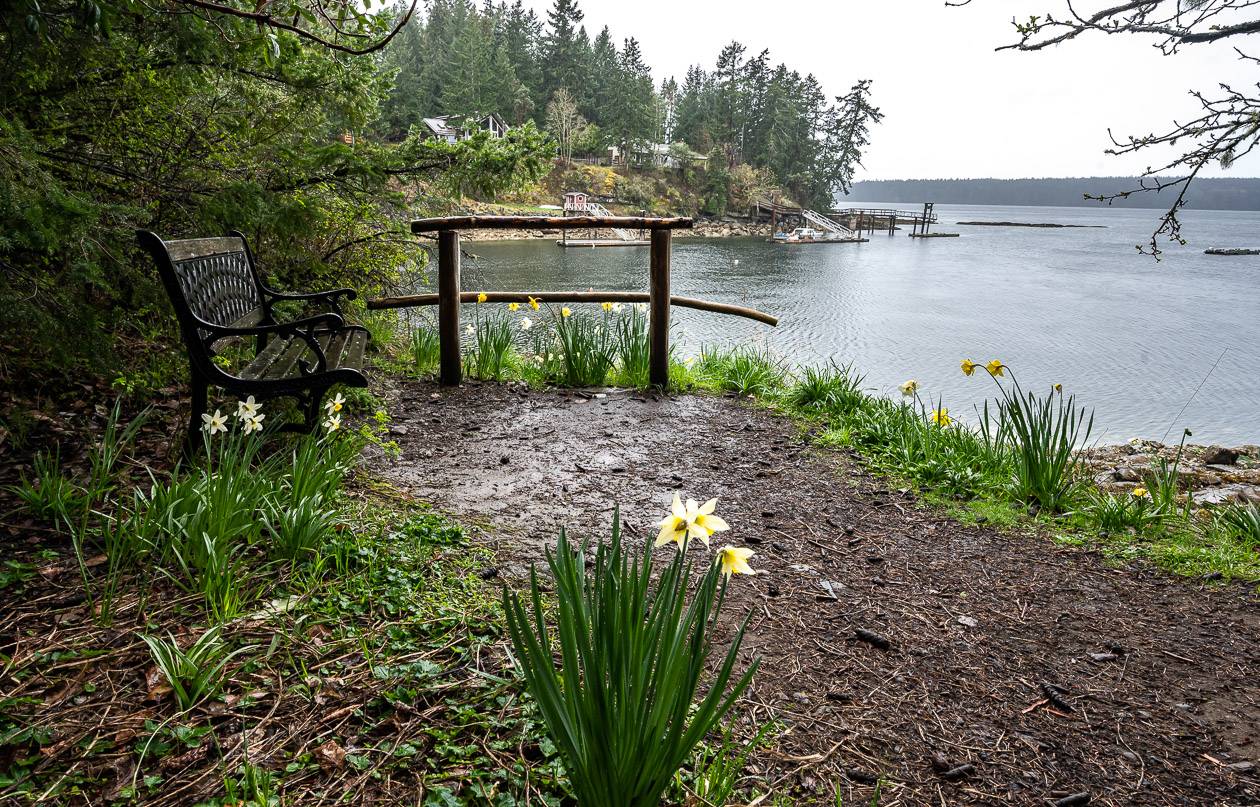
(449,223)
(450,295)
(575,297)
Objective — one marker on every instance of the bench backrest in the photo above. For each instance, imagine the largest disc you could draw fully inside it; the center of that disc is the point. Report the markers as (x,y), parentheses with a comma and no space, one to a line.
(209,280)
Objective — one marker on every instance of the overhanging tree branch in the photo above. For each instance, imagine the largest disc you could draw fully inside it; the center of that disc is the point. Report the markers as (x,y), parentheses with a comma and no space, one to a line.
(263,18)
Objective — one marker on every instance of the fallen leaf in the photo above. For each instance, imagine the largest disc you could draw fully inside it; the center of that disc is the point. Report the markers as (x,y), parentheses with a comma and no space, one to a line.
(331,756)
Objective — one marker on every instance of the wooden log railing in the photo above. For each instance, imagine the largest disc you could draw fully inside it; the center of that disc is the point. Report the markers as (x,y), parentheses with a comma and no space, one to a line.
(450,295)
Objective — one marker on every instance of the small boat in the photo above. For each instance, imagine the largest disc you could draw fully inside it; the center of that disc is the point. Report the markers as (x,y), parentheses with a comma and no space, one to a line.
(805,235)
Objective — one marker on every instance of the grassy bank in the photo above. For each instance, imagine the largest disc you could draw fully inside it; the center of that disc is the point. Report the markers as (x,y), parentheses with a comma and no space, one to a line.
(1021,467)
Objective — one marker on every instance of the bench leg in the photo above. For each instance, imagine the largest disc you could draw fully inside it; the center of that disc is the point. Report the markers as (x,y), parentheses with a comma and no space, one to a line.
(314,400)
(199,391)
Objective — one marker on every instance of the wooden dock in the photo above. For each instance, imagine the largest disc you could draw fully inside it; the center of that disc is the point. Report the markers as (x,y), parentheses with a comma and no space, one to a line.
(602,242)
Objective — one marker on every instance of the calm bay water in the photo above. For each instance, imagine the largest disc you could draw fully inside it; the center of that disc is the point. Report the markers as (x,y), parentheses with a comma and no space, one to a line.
(1131,337)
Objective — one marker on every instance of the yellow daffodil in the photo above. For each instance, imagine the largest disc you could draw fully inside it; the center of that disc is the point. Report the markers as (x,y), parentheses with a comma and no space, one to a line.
(335,404)
(968,366)
(995,368)
(481,297)
(702,520)
(533,303)
(1140,492)
(734,560)
(565,312)
(513,306)
(941,417)
(910,388)
(253,423)
(214,423)
(246,409)
(674,527)
(333,423)
(1058,388)
(606,306)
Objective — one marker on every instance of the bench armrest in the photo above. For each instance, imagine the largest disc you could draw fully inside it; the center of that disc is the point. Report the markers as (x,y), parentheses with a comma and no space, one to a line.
(328,298)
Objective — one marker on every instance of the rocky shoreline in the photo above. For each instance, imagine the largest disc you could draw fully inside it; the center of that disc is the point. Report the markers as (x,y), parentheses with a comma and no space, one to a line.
(1207,474)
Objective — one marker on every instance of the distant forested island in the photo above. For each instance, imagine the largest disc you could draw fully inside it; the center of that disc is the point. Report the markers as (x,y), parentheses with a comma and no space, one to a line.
(1205,194)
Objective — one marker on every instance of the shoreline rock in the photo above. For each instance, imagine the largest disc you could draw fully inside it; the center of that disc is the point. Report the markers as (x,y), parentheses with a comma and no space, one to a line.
(1208,475)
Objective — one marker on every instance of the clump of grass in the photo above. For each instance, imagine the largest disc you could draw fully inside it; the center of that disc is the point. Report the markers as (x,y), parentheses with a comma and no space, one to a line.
(746,371)
(834,389)
(194,674)
(299,530)
(623,707)
(50,496)
(1043,433)
(424,349)
(1239,523)
(586,347)
(1126,512)
(632,347)
(489,356)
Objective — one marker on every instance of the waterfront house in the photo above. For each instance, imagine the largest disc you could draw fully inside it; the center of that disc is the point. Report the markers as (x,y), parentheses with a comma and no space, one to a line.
(453,128)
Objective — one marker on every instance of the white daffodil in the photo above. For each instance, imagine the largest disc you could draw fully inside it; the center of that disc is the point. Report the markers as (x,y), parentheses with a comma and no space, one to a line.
(526,323)
(469,329)
(335,404)
(617,308)
(246,409)
(641,306)
(910,388)
(253,423)
(333,423)
(734,560)
(214,423)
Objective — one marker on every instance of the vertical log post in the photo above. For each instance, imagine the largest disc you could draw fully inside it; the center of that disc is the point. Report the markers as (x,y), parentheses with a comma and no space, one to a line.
(658,296)
(448,307)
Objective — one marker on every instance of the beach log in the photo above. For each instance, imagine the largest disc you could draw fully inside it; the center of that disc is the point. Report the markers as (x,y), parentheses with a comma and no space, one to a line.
(450,368)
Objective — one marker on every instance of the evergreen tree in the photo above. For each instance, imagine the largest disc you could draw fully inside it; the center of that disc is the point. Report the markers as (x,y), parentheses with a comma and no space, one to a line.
(562,48)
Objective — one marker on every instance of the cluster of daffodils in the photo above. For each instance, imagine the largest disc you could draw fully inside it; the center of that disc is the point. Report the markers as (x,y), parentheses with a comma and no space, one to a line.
(692,520)
(939,416)
(248,412)
(250,415)
(996,368)
(332,408)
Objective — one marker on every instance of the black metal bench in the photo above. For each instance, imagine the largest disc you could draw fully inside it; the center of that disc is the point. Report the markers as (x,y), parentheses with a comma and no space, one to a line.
(218,296)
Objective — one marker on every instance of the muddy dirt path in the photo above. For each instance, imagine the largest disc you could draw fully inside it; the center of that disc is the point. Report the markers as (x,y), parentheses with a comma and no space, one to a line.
(1015,671)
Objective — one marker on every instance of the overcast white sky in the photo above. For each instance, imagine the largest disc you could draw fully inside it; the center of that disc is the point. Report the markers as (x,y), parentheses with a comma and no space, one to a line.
(953,106)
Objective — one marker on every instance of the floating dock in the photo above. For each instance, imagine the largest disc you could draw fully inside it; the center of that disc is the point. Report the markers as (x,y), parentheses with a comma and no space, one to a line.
(601,242)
